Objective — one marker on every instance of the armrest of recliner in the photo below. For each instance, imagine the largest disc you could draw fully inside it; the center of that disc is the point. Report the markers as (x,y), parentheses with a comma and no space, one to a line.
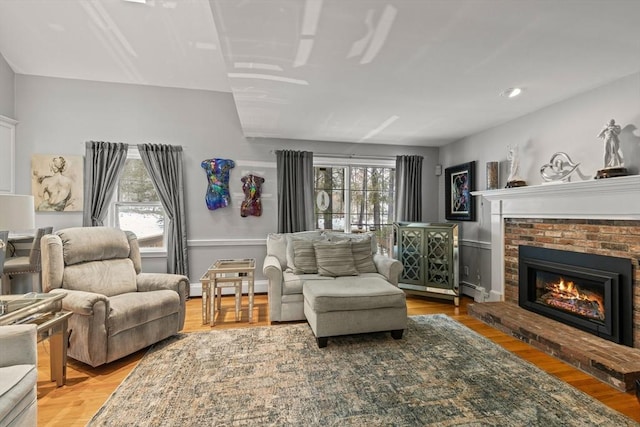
(82,302)
(388,267)
(156,281)
(19,345)
(174,282)
(273,270)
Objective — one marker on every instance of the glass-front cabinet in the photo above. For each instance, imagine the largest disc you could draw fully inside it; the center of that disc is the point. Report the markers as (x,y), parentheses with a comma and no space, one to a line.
(429,254)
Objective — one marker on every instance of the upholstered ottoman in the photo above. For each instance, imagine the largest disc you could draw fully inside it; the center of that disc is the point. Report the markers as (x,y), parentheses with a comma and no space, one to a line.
(353,305)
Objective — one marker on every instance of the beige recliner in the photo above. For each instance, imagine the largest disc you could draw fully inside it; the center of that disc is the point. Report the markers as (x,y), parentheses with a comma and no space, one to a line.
(117,309)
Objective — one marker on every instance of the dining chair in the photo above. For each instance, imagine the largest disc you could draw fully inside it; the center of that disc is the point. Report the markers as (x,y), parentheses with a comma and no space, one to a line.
(28,264)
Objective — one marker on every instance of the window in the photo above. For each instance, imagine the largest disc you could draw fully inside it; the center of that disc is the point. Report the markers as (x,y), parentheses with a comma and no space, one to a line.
(137,207)
(355,198)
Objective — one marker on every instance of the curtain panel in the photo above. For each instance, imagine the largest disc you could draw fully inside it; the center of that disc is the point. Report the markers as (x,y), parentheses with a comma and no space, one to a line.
(103,164)
(164,164)
(409,188)
(295,190)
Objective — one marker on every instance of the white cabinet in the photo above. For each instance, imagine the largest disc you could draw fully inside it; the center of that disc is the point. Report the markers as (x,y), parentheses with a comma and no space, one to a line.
(7,154)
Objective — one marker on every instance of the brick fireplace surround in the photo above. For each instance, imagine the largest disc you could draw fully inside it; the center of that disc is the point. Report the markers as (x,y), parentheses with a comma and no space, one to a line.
(599,217)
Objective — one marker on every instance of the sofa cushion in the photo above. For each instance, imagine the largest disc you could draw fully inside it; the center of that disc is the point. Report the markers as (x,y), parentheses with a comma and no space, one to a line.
(17,390)
(132,309)
(304,257)
(292,283)
(352,293)
(335,236)
(277,247)
(335,259)
(109,277)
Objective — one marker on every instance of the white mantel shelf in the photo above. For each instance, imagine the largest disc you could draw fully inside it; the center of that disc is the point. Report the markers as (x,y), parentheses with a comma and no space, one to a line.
(611,198)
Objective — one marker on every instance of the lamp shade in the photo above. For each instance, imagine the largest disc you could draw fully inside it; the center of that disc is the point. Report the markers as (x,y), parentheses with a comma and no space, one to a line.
(17,212)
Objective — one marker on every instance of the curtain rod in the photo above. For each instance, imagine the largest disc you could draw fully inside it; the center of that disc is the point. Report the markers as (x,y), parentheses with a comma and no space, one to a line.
(348,156)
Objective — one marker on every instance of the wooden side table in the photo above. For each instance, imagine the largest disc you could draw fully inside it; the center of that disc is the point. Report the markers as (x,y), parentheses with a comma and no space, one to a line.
(226,273)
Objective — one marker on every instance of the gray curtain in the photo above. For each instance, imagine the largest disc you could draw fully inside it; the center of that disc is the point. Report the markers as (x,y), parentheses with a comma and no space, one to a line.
(295,191)
(164,164)
(409,188)
(103,164)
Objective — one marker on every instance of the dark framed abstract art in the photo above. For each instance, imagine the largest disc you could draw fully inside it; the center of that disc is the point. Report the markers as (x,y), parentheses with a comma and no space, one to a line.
(459,183)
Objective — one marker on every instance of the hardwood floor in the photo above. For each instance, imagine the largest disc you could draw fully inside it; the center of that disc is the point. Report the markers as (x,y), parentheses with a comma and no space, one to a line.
(88,388)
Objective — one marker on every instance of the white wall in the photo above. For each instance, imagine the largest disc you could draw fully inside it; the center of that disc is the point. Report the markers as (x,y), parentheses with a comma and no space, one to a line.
(58,115)
(7,91)
(570,126)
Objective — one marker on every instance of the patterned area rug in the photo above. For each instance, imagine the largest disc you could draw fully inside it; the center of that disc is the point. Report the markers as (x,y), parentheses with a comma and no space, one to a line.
(441,373)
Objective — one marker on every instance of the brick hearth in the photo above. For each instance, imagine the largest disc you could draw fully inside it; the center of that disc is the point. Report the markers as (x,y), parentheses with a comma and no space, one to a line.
(612,363)
(617,238)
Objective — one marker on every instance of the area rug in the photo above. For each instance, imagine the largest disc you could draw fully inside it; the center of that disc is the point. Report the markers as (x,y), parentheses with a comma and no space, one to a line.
(441,373)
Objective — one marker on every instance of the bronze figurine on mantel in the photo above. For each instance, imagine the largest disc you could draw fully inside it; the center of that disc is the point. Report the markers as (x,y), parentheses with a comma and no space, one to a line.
(613,158)
(514,179)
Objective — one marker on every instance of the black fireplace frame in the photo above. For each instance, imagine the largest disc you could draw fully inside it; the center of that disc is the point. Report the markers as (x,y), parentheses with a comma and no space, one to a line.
(615,274)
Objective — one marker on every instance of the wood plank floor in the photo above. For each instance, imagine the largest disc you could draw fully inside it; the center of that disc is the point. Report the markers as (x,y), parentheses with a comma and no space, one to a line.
(88,388)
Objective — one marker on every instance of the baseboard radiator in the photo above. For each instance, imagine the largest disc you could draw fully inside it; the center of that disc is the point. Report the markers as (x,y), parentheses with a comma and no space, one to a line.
(477,292)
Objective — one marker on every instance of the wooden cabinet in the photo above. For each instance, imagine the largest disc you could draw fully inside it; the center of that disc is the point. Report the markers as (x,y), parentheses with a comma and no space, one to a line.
(429,254)
(7,159)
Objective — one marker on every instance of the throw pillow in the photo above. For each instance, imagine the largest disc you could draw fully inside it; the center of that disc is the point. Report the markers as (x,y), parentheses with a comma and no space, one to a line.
(302,235)
(304,257)
(335,259)
(362,256)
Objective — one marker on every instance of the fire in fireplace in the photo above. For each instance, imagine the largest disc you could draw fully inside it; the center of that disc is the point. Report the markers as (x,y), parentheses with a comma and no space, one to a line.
(587,291)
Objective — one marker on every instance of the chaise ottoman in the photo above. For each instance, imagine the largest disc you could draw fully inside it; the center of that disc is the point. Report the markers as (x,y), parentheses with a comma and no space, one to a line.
(353,305)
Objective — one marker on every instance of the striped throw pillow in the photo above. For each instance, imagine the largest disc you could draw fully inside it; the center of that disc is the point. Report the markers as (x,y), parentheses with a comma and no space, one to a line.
(362,256)
(304,257)
(335,259)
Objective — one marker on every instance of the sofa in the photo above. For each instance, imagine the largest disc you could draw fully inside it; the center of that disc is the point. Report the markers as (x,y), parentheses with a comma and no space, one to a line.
(117,309)
(18,375)
(335,281)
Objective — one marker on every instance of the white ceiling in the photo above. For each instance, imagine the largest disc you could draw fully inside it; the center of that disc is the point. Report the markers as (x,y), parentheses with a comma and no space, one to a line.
(411,72)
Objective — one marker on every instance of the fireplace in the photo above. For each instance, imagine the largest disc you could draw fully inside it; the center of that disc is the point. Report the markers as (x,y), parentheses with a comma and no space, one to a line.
(587,291)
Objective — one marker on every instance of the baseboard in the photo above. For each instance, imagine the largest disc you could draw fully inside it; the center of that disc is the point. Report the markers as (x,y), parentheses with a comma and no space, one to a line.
(478,293)
(260,287)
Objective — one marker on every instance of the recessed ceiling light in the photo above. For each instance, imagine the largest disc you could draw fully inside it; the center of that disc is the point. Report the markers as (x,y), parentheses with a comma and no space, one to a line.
(512,92)
(137,1)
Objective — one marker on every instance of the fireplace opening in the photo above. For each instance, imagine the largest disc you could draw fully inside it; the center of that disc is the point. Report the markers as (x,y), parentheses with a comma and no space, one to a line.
(587,291)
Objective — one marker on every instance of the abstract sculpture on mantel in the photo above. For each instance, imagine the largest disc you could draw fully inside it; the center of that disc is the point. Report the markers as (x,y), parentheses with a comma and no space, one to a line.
(514,179)
(560,168)
(613,158)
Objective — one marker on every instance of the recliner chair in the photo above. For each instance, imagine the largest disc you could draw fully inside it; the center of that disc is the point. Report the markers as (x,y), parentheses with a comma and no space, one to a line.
(118,310)
(28,264)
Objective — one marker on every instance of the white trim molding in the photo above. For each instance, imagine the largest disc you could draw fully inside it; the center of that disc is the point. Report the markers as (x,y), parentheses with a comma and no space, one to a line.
(207,243)
(478,244)
(612,198)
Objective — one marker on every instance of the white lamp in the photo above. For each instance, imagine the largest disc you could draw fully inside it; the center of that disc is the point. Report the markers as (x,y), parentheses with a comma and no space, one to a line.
(17,212)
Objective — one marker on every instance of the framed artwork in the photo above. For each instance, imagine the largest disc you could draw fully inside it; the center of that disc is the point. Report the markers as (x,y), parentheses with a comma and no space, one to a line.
(57,182)
(459,183)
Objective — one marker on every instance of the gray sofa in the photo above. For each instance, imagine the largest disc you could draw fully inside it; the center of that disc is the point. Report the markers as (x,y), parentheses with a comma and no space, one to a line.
(117,309)
(286,300)
(18,375)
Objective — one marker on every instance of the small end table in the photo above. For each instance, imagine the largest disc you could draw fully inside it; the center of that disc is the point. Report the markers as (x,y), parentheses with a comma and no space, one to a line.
(226,273)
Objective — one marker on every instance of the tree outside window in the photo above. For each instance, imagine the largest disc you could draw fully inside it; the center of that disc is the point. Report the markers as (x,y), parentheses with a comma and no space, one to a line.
(356,199)
(138,207)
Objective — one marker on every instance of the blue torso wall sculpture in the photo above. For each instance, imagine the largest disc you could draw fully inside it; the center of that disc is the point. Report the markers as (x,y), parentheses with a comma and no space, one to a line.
(218,176)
